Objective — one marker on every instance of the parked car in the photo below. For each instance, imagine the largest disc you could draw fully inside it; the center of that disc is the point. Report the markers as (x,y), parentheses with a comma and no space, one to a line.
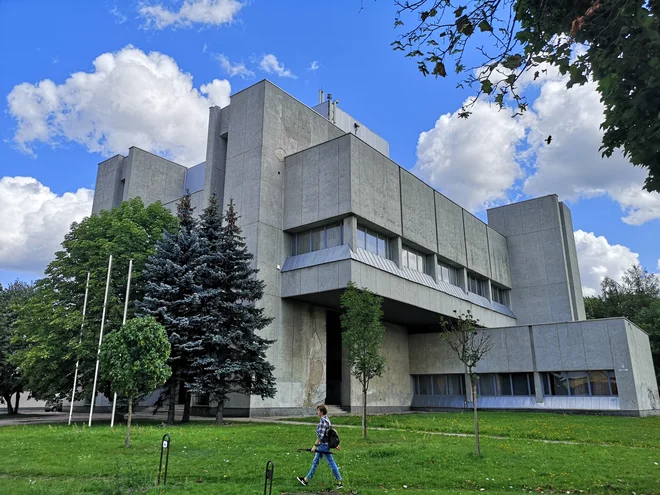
(54,406)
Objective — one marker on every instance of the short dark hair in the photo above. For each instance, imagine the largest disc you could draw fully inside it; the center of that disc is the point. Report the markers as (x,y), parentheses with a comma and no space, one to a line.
(322,408)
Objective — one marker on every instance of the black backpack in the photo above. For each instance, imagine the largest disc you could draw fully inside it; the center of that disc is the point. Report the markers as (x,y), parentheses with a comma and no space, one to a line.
(333,438)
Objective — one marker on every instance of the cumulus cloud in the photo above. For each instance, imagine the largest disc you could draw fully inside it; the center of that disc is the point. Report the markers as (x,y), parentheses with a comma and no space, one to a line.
(314,65)
(472,161)
(460,157)
(270,64)
(34,221)
(237,69)
(571,165)
(130,99)
(597,259)
(205,12)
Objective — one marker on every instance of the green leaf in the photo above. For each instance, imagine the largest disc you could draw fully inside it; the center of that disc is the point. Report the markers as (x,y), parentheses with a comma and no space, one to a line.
(485,26)
(512,62)
(464,25)
(439,69)
(487,86)
(459,11)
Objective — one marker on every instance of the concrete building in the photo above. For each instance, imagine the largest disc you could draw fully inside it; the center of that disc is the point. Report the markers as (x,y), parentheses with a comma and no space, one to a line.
(321,204)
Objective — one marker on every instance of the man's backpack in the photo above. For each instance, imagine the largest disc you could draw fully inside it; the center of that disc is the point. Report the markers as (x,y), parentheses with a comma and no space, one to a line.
(333,438)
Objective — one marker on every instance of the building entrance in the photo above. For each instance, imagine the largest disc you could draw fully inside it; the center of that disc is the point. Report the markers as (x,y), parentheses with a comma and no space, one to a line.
(333,373)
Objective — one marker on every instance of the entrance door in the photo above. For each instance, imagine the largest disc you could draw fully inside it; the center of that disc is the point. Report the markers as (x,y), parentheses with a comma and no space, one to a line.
(333,359)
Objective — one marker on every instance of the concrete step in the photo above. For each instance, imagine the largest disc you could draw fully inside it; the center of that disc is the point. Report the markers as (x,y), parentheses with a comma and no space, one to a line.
(335,411)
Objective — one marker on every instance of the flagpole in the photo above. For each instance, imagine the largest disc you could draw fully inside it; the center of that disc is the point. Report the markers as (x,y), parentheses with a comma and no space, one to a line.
(98,353)
(128,290)
(75,375)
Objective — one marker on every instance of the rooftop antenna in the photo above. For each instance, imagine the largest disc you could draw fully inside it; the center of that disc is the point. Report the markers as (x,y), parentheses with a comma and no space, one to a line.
(320,96)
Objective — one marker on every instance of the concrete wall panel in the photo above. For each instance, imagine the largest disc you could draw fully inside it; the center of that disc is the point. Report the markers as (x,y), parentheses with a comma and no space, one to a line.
(499,257)
(451,232)
(476,243)
(418,212)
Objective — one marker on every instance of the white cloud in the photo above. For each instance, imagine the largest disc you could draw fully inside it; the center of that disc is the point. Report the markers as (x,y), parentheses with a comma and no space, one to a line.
(34,221)
(238,69)
(472,161)
(597,259)
(571,164)
(209,12)
(119,17)
(130,99)
(270,64)
(314,65)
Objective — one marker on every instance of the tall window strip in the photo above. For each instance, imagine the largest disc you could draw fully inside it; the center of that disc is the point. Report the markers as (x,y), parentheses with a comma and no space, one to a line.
(477,286)
(505,384)
(439,384)
(500,295)
(374,242)
(318,238)
(580,383)
(413,259)
(447,273)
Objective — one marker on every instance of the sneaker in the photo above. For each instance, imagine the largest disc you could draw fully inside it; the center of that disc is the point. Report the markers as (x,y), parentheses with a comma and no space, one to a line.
(302,480)
(340,486)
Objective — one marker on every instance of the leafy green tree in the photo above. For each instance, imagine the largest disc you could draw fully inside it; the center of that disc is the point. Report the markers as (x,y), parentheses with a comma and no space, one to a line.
(470,344)
(363,335)
(637,298)
(232,356)
(11,379)
(171,296)
(492,43)
(48,327)
(133,361)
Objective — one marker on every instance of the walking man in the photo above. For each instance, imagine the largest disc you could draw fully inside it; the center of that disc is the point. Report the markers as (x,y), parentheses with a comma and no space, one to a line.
(322,449)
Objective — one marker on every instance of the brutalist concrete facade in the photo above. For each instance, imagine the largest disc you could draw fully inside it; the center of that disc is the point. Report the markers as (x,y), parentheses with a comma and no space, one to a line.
(322,204)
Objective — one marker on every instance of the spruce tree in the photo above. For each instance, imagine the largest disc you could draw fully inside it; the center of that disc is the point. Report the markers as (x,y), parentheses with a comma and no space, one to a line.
(171,296)
(232,356)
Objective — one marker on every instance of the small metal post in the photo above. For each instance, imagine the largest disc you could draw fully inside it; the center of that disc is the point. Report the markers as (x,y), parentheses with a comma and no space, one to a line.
(270,469)
(165,444)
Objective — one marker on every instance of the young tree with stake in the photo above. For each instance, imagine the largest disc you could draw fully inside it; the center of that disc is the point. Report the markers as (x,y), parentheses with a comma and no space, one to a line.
(363,335)
(133,361)
(470,344)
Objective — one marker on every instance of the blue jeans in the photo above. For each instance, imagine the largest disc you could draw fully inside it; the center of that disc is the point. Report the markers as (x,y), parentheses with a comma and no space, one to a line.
(323,451)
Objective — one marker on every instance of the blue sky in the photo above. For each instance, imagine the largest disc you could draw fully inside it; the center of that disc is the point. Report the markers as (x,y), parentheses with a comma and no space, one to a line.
(54,146)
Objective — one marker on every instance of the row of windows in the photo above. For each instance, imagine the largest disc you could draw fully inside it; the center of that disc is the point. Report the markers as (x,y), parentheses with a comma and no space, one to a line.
(413,259)
(580,383)
(327,236)
(561,383)
(374,242)
(331,235)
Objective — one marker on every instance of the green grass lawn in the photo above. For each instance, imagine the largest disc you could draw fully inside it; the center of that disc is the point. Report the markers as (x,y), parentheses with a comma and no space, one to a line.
(57,459)
(616,430)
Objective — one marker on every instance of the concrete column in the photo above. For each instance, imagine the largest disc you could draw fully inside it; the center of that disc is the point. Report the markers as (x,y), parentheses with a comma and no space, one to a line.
(432,266)
(489,290)
(462,278)
(397,251)
(538,387)
(350,232)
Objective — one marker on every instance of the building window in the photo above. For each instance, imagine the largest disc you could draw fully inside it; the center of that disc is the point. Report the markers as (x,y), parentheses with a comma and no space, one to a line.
(580,383)
(477,286)
(316,239)
(506,384)
(413,259)
(374,242)
(447,273)
(439,384)
(500,295)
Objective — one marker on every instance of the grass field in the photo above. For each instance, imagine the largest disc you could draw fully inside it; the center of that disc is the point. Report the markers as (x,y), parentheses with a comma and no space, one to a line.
(57,459)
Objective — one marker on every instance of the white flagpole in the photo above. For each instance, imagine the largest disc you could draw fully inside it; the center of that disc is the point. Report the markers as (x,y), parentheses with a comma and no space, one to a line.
(98,353)
(75,375)
(128,290)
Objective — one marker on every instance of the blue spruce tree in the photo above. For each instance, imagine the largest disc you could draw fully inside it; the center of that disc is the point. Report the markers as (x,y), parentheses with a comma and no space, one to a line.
(172,297)
(233,355)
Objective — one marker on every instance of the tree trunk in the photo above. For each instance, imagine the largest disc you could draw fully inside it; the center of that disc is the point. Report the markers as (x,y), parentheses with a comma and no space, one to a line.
(186,408)
(171,408)
(128,425)
(18,399)
(364,412)
(219,416)
(476,418)
(10,408)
